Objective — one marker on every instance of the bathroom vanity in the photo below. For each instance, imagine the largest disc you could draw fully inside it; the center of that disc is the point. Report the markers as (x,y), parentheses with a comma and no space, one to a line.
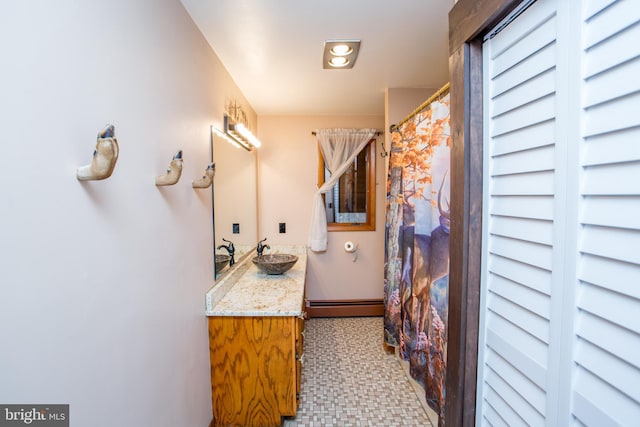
(256,324)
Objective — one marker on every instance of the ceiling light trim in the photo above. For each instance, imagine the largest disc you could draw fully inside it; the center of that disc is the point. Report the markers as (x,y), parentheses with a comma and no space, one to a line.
(329,54)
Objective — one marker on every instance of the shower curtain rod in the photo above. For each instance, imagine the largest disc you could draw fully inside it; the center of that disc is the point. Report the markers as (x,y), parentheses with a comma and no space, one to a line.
(378,133)
(422,106)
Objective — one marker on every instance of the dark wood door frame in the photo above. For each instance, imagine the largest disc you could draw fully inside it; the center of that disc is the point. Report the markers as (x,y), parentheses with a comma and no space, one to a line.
(469,21)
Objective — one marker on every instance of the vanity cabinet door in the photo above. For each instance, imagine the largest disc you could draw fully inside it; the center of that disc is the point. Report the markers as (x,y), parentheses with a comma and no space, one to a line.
(254,371)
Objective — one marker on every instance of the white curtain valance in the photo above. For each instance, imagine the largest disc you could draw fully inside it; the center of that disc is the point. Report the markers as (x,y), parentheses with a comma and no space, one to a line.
(339,149)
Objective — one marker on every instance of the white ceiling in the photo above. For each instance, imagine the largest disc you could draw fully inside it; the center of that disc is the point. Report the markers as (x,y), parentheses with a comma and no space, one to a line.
(273,50)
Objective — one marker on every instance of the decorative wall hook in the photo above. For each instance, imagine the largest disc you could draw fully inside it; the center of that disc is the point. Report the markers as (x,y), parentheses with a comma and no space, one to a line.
(173,173)
(207,178)
(384,152)
(104,157)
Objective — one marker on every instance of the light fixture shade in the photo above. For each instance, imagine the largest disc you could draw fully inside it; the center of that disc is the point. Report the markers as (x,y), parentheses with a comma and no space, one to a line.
(239,133)
(340,54)
(229,139)
(244,133)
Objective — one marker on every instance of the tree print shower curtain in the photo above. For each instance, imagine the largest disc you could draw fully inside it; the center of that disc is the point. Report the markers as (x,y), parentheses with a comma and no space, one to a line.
(417,247)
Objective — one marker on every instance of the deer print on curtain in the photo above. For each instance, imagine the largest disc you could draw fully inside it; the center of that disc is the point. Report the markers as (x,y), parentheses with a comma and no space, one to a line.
(417,246)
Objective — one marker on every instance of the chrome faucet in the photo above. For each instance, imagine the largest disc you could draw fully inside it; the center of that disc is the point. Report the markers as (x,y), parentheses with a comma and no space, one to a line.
(262,247)
(231,249)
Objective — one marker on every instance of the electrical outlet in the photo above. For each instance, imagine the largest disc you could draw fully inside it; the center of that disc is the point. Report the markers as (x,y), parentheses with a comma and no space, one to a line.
(236,228)
(282,227)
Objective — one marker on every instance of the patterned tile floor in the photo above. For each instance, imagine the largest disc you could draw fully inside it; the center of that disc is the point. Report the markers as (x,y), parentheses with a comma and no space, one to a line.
(349,380)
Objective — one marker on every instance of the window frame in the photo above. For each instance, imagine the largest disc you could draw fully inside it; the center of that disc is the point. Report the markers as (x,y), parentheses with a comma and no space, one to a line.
(370,223)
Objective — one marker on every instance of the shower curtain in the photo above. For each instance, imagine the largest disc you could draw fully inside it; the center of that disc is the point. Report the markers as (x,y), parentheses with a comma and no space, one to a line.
(417,246)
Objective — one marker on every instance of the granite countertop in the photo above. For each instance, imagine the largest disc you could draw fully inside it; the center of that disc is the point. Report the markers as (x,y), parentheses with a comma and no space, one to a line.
(246,291)
(241,251)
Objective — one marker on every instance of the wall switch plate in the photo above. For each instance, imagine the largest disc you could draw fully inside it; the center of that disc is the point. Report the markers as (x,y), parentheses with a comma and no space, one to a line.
(236,228)
(282,227)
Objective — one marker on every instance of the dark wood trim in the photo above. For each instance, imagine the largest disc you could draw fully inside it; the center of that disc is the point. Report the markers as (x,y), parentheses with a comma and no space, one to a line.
(370,225)
(345,308)
(469,20)
(474,232)
(457,327)
(472,19)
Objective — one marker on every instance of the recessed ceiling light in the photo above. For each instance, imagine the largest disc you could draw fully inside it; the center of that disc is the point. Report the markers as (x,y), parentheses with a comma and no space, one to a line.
(338,61)
(340,54)
(341,50)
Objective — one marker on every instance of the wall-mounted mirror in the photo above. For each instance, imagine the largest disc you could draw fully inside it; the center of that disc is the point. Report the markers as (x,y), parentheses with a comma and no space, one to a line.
(235,200)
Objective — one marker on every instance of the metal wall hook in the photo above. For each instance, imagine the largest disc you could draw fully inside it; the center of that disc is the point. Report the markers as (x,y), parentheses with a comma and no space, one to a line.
(384,150)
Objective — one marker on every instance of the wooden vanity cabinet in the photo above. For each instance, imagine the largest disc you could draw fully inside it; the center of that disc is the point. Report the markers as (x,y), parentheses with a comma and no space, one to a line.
(256,366)
(299,355)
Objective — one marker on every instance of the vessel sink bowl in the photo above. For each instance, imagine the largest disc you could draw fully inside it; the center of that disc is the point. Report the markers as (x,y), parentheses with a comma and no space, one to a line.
(221,261)
(274,263)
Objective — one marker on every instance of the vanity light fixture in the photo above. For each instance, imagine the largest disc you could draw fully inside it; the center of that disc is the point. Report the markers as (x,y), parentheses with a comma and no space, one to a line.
(230,140)
(340,54)
(239,133)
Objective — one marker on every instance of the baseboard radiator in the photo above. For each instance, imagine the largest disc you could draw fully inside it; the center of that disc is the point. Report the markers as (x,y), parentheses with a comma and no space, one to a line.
(345,308)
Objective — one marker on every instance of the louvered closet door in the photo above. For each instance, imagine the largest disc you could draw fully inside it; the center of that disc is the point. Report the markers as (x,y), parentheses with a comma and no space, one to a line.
(519,211)
(560,301)
(606,382)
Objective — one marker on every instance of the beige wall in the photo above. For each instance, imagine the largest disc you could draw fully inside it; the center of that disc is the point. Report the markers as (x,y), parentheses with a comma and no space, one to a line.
(287,178)
(401,102)
(103,283)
